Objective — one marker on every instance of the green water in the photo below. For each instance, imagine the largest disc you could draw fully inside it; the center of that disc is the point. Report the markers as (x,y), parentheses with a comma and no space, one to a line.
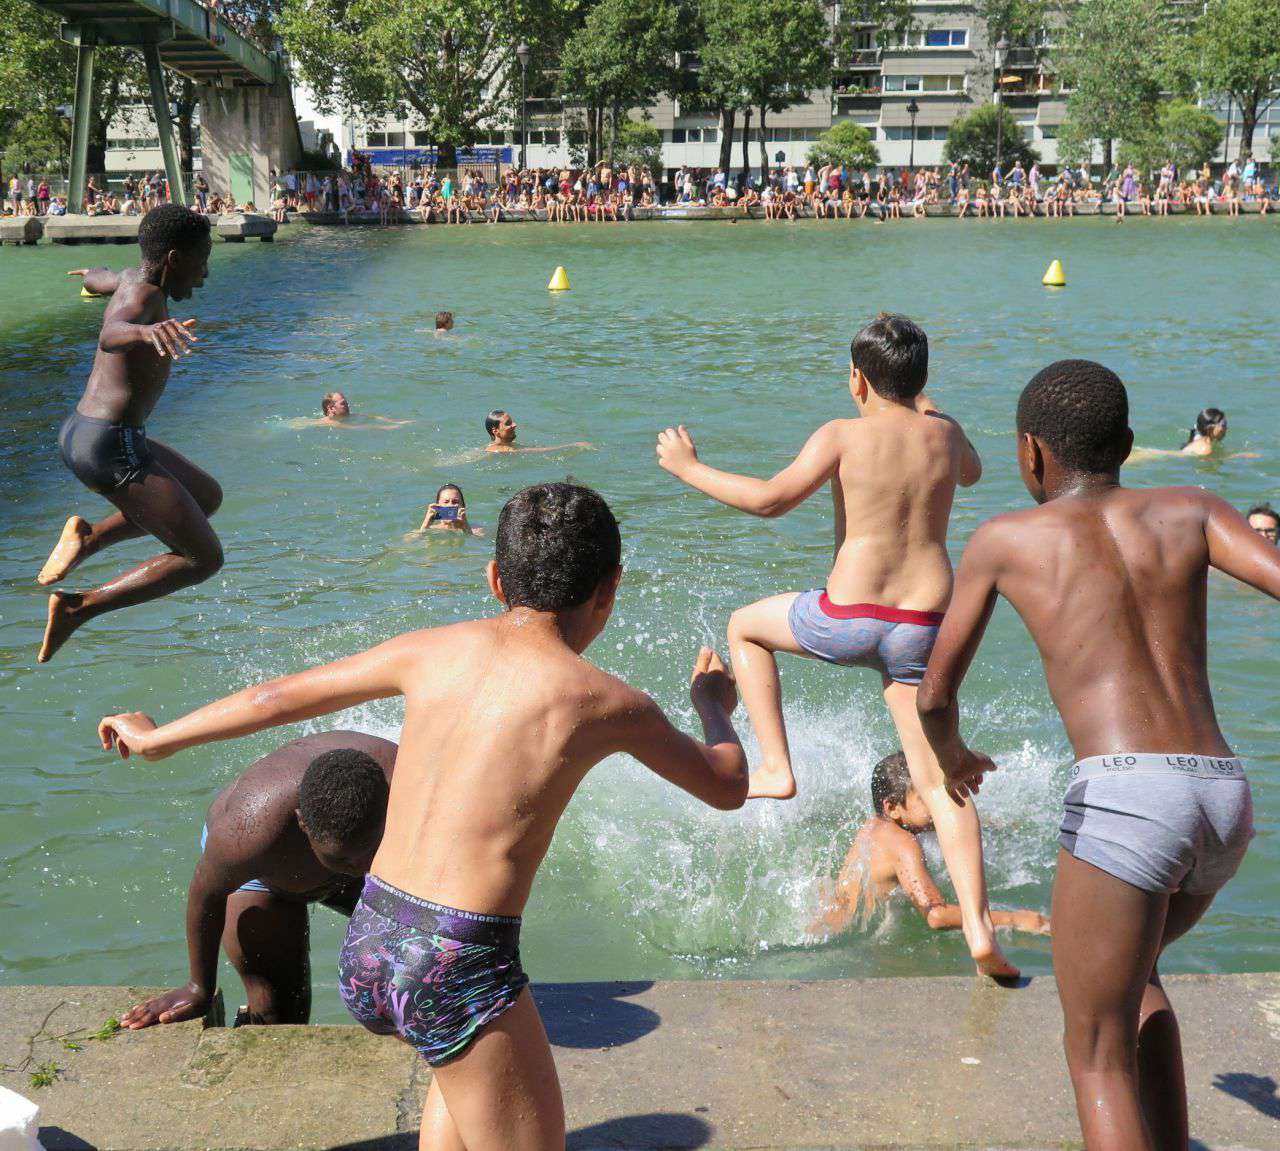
(740,331)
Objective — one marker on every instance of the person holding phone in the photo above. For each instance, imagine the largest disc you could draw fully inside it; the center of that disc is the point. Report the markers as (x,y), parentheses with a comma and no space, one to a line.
(448,512)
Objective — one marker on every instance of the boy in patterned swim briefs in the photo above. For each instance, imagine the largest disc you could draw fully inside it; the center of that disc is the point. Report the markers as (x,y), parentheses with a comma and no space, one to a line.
(1111,583)
(893,476)
(503,719)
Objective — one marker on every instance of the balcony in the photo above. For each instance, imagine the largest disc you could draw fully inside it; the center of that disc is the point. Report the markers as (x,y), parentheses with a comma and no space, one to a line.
(1023,58)
(854,100)
(860,58)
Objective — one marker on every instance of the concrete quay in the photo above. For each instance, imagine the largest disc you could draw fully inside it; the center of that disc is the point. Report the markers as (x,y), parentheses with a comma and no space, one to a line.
(838,1065)
(234,227)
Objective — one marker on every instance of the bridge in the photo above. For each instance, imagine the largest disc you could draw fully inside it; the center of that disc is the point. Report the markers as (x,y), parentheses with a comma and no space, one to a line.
(181,35)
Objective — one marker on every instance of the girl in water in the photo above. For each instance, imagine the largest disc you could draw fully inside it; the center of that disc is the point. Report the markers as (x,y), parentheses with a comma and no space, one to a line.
(1210,429)
(448,512)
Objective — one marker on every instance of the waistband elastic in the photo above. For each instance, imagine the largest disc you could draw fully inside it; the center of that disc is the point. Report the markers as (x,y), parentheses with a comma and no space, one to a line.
(875,611)
(80,418)
(1154,763)
(411,911)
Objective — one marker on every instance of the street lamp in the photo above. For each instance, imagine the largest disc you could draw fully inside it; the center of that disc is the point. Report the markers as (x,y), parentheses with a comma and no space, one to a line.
(913,110)
(522,54)
(1002,53)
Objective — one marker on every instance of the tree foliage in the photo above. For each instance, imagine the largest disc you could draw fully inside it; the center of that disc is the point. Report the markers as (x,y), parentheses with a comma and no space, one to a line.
(972,140)
(639,145)
(846,145)
(1180,131)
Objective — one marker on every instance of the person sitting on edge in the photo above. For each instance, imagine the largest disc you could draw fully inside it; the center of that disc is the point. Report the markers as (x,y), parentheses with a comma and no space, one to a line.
(886,855)
(448,512)
(1111,583)
(893,475)
(444,322)
(298,827)
(1265,520)
(502,435)
(503,720)
(156,491)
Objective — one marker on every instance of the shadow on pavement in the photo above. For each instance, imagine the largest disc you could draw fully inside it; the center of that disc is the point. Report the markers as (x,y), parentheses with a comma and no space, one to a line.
(1259,1091)
(666,1130)
(592,1016)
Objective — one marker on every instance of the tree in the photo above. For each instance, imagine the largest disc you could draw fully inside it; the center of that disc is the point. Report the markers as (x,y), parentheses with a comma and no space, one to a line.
(846,145)
(1181,132)
(972,140)
(1234,49)
(639,145)
(618,59)
(1110,56)
(774,52)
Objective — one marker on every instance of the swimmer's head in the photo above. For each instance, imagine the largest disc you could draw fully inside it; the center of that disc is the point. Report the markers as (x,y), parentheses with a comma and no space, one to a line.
(444,321)
(1265,520)
(175,243)
(1211,424)
(450,496)
(1073,415)
(335,406)
(894,797)
(891,357)
(558,550)
(500,426)
(342,805)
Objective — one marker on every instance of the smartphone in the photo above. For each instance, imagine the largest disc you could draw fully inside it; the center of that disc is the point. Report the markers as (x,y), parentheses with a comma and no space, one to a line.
(445,512)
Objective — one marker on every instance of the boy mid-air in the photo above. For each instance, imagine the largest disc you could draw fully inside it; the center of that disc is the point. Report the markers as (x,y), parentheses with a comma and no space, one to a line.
(886,855)
(893,476)
(503,718)
(1111,583)
(104,442)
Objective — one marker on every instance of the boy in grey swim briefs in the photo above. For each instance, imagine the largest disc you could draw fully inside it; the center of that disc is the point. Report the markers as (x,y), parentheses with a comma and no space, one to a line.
(893,475)
(1111,583)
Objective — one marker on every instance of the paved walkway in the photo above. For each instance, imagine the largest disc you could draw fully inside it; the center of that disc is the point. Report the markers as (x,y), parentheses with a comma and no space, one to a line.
(903,1063)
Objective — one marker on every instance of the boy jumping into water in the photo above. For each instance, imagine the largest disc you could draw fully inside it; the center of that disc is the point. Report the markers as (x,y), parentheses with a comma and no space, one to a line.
(1111,583)
(893,475)
(104,441)
(503,719)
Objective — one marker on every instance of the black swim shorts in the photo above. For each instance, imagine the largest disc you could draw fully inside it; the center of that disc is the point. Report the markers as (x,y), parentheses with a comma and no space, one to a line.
(103,455)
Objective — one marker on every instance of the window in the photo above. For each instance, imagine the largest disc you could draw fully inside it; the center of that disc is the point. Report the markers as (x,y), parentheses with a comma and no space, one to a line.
(903,84)
(932,38)
(422,140)
(923,132)
(1048,131)
(677,135)
(710,135)
(375,139)
(950,83)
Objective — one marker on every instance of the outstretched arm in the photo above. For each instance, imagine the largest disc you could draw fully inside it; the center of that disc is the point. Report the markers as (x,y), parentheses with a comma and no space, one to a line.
(100,281)
(962,629)
(1236,549)
(130,321)
(813,467)
(374,674)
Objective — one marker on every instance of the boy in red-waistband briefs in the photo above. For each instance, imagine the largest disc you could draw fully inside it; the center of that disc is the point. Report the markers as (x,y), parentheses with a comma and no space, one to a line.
(893,475)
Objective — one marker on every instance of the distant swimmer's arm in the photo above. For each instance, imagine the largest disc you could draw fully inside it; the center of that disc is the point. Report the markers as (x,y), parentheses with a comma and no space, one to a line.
(377,673)
(962,629)
(1236,549)
(714,771)
(813,467)
(554,448)
(100,281)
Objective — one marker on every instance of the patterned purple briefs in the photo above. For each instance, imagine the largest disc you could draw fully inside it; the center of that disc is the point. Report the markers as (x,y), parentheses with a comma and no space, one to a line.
(432,974)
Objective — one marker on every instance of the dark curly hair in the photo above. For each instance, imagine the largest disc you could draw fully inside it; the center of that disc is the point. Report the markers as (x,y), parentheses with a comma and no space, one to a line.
(1081,411)
(890,780)
(168,227)
(893,353)
(556,543)
(343,796)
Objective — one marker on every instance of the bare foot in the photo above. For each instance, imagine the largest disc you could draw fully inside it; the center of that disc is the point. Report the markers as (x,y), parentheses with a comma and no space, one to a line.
(62,622)
(67,552)
(990,961)
(772,783)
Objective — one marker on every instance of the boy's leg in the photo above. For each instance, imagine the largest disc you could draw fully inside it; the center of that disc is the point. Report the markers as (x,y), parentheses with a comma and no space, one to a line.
(958,829)
(80,539)
(160,505)
(755,633)
(503,1092)
(267,939)
(1107,935)
(438,1131)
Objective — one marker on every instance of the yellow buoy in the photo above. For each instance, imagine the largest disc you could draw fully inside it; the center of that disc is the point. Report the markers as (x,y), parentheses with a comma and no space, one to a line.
(88,294)
(1055,277)
(559,281)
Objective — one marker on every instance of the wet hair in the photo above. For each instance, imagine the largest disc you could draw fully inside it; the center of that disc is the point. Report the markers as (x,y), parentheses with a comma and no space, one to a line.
(492,420)
(327,404)
(170,227)
(893,353)
(1263,510)
(1206,420)
(343,796)
(556,543)
(890,780)
(1081,411)
(451,488)
(443,320)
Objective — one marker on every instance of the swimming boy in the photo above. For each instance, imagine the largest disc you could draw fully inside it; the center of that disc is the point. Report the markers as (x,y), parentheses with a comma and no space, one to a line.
(444,322)
(501,427)
(1110,582)
(886,855)
(503,719)
(104,441)
(298,827)
(893,475)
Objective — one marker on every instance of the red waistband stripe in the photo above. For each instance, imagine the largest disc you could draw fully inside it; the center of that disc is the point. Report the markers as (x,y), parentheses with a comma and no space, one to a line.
(875,611)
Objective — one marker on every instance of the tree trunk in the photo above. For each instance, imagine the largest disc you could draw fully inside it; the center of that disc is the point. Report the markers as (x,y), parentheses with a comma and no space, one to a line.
(1248,122)
(613,132)
(187,100)
(447,157)
(746,143)
(764,148)
(727,118)
(1106,156)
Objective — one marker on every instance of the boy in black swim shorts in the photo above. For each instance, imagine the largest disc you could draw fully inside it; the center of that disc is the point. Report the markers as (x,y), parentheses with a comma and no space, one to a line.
(104,442)
(1111,583)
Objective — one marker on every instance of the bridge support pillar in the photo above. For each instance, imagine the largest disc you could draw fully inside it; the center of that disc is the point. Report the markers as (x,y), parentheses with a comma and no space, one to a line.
(160,109)
(85,51)
(246,133)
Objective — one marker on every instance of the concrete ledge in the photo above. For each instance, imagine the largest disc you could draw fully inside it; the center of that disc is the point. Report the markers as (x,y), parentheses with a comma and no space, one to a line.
(236,227)
(92,229)
(902,1063)
(21,229)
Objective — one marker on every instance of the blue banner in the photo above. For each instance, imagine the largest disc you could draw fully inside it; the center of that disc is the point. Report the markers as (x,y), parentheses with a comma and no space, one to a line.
(405,157)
